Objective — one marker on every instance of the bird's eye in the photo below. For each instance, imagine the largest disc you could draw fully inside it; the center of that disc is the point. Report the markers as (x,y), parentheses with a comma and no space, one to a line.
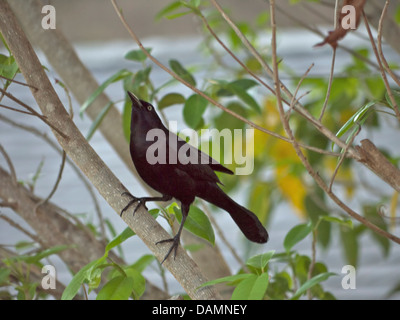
(149,108)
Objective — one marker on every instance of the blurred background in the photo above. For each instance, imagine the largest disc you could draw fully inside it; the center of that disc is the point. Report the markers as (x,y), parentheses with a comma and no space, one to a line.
(73,17)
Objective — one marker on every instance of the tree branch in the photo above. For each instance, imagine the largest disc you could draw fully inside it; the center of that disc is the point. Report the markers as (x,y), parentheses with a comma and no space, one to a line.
(300,154)
(372,158)
(63,58)
(142,223)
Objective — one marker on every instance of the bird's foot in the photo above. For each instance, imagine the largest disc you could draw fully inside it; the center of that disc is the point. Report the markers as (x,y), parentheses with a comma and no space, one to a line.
(141,202)
(174,247)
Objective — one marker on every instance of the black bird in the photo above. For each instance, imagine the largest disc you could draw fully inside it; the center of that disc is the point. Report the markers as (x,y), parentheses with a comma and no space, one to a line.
(182,181)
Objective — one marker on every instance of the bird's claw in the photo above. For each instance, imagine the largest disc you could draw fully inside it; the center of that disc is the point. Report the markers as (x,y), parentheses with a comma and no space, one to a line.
(175,243)
(141,202)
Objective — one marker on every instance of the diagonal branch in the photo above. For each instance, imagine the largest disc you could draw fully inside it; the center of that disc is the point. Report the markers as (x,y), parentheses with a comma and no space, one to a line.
(183,268)
(297,107)
(300,154)
(31,110)
(382,69)
(211,100)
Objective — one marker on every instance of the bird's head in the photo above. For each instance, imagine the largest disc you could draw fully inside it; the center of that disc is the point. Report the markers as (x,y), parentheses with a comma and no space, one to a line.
(143,112)
(139,104)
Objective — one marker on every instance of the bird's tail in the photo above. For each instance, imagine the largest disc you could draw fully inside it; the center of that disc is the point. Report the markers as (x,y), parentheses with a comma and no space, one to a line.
(246,220)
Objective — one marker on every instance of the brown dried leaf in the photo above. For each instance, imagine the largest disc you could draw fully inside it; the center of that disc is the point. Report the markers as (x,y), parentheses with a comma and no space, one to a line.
(340,32)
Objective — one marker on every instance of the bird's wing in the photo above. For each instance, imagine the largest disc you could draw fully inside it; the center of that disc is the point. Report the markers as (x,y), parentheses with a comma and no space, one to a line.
(202,157)
(197,172)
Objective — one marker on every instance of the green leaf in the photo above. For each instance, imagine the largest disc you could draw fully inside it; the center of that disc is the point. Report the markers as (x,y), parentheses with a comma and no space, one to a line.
(193,110)
(124,235)
(4,273)
(8,66)
(166,11)
(260,261)
(143,262)
(198,223)
(118,288)
(396,96)
(96,123)
(239,88)
(349,239)
(245,97)
(230,279)
(5,43)
(48,252)
(397,15)
(301,264)
(316,213)
(371,214)
(182,72)
(121,74)
(245,84)
(154,212)
(171,99)
(136,86)
(79,278)
(260,199)
(296,234)
(137,55)
(92,271)
(262,19)
(40,255)
(24,245)
(260,287)
(357,118)
(225,120)
(312,282)
(195,3)
(139,282)
(177,15)
(37,174)
(344,222)
(251,288)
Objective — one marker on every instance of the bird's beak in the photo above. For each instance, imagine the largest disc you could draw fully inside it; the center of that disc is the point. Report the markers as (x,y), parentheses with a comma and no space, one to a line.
(135,100)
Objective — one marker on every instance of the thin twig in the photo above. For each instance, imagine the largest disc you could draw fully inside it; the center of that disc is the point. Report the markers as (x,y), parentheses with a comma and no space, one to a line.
(301,156)
(8,204)
(16,110)
(10,165)
(342,157)
(19,82)
(298,107)
(233,55)
(53,190)
(20,228)
(234,114)
(71,110)
(243,38)
(294,98)
(173,74)
(328,91)
(33,112)
(296,101)
(109,187)
(380,51)
(52,144)
(382,69)
(336,15)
